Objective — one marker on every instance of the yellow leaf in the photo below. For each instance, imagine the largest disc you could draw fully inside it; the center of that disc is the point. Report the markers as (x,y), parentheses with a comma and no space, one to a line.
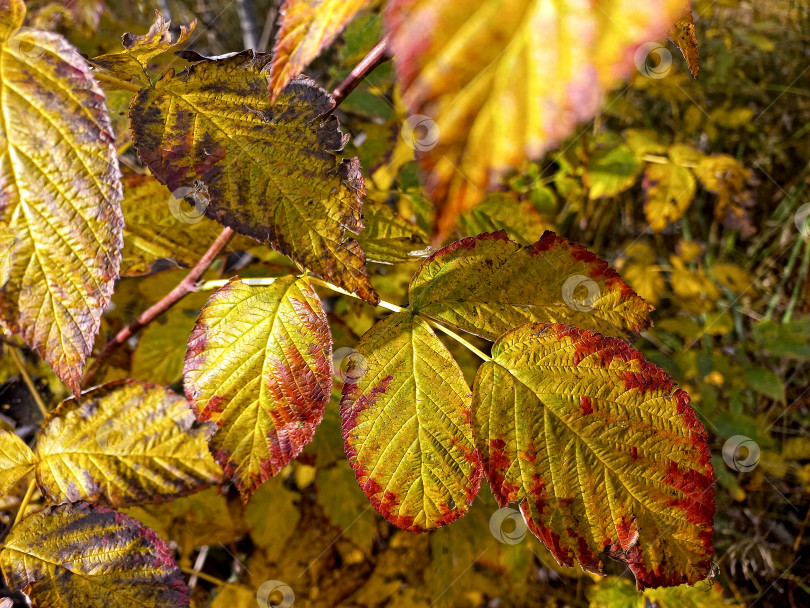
(162,225)
(264,170)
(16,461)
(490,84)
(669,190)
(305,28)
(388,237)
(724,176)
(270,534)
(130,65)
(60,195)
(259,364)
(601,449)
(732,276)
(406,425)
(123,443)
(78,554)
(487,285)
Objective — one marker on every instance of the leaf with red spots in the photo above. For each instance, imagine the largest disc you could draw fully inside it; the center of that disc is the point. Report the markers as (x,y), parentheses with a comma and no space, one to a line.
(123,443)
(267,171)
(78,554)
(497,83)
(130,65)
(488,284)
(406,425)
(604,452)
(60,195)
(305,28)
(259,364)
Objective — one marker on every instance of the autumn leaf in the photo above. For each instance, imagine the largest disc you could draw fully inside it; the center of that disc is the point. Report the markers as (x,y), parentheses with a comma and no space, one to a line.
(389,238)
(493,92)
(305,28)
(123,443)
(130,65)
(16,461)
(602,449)
(504,211)
(78,554)
(488,284)
(406,425)
(259,364)
(612,169)
(682,34)
(265,171)
(59,197)
(160,225)
(669,190)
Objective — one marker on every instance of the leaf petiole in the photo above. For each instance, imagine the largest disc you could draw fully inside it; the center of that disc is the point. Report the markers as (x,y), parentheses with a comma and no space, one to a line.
(24,504)
(206,577)
(456,337)
(28,381)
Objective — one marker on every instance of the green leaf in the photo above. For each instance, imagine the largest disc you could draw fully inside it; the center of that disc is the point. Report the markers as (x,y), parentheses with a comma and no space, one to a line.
(123,443)
(487,285)
(766,382)
(389,238)
(264,170)
(16,461)
(669,190)
(305,28)
(259,364)
(90,556)
(161,349)
(406,425)
(503,211)
(602,450)
(611,170)
(60,195)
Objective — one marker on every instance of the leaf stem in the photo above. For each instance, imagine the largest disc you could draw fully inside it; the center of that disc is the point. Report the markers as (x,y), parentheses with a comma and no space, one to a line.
(15,355)
(206,577)
(209,285)
(186,286)
(456,337)
(24,504)
(116,82)
(378,55)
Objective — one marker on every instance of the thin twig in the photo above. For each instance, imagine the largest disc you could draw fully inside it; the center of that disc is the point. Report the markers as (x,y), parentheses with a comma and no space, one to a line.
(247,21)
(26,499)
(186,286)
(206,577)
(379,54)
(27,379)
(267,31)
(116,83)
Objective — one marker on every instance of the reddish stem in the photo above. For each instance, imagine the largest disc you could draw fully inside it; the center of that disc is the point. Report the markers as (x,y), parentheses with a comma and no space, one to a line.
(182,289)
(379,54)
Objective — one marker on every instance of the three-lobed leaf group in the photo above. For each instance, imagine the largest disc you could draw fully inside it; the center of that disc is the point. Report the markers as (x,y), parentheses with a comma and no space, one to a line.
(603,452)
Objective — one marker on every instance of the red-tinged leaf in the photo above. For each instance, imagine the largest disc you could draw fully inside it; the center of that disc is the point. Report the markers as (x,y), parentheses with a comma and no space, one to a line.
(605,453)
(82,555)
(488,284)
(491,84)
(305,28)
(406,425)
(60,195)
(267,171)
(259,364)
